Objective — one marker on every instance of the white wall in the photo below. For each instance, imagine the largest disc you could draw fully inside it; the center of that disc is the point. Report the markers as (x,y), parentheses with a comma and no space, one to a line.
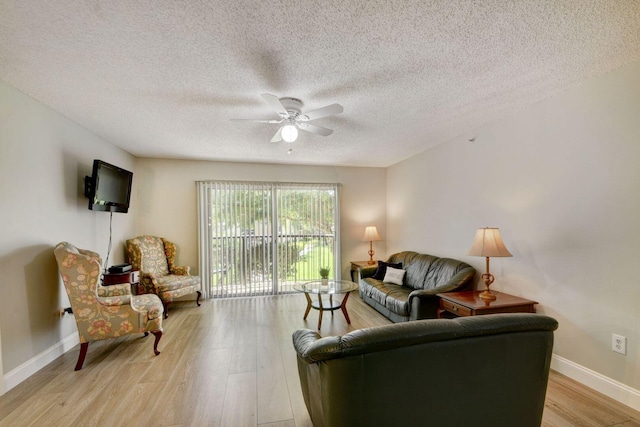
(561,180)
(43,160)
(167,199)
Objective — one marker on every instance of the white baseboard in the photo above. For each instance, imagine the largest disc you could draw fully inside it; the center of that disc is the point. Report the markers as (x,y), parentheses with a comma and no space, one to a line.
(30,367)
(605,385)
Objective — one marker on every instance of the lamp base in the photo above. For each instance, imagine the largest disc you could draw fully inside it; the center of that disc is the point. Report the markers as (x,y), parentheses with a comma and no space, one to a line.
(488,279)
(487,295)
(371,252)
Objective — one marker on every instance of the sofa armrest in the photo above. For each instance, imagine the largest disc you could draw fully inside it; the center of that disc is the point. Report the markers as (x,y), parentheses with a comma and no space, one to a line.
(460,281)
(423,293)
(423,303)
(312,348)
(368,271)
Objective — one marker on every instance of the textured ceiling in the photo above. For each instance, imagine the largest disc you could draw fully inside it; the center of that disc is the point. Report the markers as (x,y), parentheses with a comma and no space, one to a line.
(164,78)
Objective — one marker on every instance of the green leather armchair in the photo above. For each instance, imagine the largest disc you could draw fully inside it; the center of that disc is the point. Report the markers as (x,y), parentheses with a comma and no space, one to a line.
(471,371)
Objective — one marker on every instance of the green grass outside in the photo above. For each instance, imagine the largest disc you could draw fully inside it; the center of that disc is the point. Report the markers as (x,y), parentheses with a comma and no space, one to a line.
(307,268)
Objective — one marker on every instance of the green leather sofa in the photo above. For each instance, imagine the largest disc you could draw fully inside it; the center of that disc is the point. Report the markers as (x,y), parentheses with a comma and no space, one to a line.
(426,275)
(471,371)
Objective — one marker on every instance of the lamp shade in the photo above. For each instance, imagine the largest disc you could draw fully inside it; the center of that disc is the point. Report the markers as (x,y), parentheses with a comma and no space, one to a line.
(488,243)
(371,234)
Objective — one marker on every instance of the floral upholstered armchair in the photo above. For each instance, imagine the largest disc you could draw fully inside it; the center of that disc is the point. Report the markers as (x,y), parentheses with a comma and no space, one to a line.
(103,312)
(155,257)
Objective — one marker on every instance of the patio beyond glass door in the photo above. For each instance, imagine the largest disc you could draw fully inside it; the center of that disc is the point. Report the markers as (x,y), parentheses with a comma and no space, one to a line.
(262,238)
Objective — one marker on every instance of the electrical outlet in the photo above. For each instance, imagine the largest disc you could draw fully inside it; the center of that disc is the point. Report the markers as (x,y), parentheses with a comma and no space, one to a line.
(619,344)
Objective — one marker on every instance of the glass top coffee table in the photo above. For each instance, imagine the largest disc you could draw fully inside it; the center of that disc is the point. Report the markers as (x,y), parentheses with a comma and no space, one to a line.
(333,287)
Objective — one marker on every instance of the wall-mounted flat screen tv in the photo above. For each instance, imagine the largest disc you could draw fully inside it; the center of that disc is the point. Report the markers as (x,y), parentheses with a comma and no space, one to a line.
(108,188)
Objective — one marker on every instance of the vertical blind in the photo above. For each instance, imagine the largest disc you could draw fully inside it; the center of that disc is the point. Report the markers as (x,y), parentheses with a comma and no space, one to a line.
(260,238)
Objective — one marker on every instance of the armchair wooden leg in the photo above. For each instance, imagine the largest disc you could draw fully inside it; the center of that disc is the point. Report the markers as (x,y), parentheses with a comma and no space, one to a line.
(158,335)
(166,308)
(198,299)
(83,353)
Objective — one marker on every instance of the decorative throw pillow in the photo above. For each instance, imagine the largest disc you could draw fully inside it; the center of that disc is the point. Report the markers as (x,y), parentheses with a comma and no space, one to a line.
(382,269)
(394,275)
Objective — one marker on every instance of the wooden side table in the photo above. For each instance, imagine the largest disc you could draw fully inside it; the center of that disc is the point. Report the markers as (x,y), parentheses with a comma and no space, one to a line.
(132,277)
(469,303)
(357,264)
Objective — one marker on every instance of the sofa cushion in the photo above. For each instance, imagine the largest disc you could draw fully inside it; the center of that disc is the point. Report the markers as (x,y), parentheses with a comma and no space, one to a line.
(394,275)
(378,292)
(417,266)
(375,289)
(382,269)
(394,297)
(398,300)
(441,271)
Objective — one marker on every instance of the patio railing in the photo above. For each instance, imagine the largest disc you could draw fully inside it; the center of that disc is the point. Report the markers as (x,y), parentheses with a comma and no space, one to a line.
(252,264)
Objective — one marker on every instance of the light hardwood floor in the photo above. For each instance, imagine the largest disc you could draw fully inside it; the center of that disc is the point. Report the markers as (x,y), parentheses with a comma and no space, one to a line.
(226,363)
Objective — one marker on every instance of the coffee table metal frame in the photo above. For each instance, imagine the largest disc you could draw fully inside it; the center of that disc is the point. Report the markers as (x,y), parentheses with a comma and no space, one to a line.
(333,287)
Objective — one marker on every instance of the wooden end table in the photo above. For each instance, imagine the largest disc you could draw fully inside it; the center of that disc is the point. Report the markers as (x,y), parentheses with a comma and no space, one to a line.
(469,303)
(355,265)
(131,277)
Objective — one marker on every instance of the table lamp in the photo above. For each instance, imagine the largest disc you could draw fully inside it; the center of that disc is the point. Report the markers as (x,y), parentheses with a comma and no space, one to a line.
(371,235)
(488,243)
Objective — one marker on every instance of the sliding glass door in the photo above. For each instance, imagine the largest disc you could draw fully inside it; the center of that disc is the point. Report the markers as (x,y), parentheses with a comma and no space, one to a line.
(260,238)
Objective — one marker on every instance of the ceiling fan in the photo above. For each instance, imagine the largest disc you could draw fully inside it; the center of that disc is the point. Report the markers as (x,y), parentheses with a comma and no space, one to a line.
(292,118)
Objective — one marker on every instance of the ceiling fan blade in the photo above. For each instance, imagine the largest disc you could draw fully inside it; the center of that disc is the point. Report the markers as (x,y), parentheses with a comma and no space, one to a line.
(329,110)
(275,103)
(318,130)
(278,136)
(257,121)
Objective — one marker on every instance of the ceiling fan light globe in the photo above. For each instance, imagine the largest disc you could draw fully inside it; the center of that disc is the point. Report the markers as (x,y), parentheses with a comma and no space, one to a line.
(289,133)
